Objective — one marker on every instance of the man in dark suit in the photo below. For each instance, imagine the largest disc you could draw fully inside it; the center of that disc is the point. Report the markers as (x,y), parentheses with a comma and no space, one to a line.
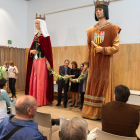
(118,117)
(63,70)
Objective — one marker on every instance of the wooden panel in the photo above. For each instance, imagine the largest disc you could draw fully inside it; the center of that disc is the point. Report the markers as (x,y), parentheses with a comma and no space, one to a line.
(126,62)
(17,55)
(73,53)
(127,66)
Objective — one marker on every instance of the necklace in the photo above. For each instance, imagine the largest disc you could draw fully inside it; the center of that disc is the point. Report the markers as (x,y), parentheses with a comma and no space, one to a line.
(99,27)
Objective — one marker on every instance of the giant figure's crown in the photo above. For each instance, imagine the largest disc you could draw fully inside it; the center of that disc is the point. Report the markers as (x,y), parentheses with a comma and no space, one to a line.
(96,2)
(40,17)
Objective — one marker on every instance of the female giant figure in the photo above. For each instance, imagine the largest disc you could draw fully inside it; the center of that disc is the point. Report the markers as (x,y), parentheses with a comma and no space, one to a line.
(38,81)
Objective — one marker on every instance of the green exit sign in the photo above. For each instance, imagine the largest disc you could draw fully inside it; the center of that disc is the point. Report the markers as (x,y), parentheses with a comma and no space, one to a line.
(9,41)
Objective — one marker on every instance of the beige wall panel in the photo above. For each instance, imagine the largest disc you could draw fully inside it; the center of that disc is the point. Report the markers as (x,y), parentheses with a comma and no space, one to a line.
(127,66)
(126,62)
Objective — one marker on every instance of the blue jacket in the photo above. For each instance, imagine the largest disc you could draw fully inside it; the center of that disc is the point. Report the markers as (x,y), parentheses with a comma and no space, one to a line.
(28,132)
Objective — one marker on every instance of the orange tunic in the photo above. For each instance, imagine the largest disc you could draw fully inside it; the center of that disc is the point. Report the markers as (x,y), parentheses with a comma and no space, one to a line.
(99,83)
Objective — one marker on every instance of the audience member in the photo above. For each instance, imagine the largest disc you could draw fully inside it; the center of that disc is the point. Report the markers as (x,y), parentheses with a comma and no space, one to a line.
(12,77)
(74,86)
(118,117)
(3,115)
(4,95)
(22,123)
(75,129)
(63,71)
(83,82)
(81,67)
(6,65)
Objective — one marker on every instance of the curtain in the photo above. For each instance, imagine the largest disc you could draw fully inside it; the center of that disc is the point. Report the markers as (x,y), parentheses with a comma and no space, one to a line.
(17,55)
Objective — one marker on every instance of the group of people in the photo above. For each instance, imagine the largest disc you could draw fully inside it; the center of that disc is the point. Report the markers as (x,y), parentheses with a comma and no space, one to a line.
(21,125)
(102,43)
(10,79)
(75,88)
(96,88)
(12,76)
(117,117)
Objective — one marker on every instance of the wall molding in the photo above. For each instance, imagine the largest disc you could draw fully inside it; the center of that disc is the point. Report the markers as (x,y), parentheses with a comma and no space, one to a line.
(68,9)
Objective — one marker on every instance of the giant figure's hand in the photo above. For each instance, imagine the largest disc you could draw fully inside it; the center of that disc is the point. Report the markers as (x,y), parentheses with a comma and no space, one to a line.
(48,66)
(34,51)
(98,49)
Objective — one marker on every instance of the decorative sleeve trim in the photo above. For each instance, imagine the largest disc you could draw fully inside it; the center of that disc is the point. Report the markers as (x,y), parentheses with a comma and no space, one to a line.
(94,98)
(104,52)
(93,104)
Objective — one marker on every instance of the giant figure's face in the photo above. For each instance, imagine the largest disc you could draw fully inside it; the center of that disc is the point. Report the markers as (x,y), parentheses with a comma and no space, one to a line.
(37,24)
(99,13)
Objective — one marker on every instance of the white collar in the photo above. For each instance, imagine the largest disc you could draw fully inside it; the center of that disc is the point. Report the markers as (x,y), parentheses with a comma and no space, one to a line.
(2,90)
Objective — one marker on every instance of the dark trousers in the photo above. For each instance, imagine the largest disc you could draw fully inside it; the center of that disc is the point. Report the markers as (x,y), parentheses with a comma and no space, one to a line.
(60,88)
(12,82)
(55,122)
(82,98)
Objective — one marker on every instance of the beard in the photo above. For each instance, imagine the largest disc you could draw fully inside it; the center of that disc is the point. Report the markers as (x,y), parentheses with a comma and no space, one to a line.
(100,16)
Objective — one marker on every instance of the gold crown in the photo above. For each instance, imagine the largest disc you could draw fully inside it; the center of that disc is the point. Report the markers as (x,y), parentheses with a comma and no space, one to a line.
(102,2)
(40,17)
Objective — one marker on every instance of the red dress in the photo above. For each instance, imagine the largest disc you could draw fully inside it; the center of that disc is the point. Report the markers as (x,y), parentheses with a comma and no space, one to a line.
(38,81)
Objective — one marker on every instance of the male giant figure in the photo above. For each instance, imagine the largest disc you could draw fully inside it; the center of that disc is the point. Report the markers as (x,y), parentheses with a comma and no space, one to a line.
(102,43)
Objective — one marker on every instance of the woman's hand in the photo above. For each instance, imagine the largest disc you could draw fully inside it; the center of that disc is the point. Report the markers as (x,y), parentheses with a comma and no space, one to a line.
(14,71)
(99,49)
(74,80)
(34,51)
(71,76)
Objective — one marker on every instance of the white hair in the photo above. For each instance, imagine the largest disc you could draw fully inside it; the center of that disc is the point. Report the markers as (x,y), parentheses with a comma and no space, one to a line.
(75,129)
(43,28)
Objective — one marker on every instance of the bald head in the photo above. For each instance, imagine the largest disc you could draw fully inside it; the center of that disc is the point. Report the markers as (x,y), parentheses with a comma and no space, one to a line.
(26,105)
(24,99)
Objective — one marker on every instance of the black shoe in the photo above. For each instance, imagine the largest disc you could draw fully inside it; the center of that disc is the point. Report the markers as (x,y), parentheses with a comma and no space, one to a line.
(55,122)
(57,105)
(76,106)
(72,105)
(81,107)
(65,106)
